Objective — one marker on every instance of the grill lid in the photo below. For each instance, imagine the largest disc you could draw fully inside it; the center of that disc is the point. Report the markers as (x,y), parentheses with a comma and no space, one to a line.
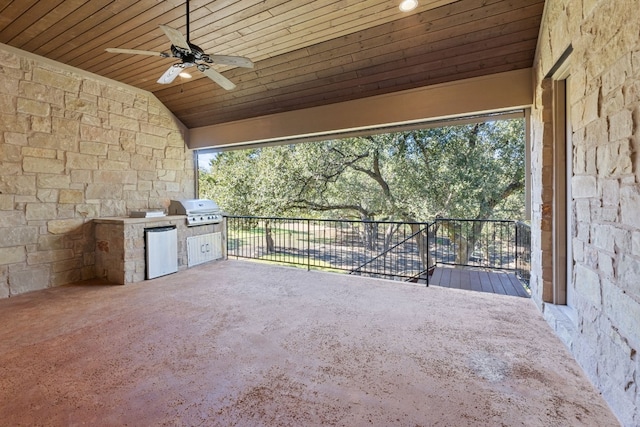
(193,207)
(198,211)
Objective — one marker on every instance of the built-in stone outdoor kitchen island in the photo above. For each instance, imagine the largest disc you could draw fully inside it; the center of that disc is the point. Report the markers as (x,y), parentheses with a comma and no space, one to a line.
(120,245)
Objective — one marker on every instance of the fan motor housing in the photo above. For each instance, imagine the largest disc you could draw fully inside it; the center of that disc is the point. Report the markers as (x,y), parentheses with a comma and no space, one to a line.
(188,56)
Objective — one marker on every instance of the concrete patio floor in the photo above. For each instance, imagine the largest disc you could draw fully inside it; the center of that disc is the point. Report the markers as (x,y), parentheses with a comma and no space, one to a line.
(236,343)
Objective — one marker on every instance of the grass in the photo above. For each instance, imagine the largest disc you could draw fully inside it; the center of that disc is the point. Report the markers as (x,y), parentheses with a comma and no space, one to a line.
(297,260)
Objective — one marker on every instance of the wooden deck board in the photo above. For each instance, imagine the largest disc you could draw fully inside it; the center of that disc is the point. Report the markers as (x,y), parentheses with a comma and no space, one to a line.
(446,277)
(465,279)
(518,286)
(497,282)
(437,276)
(507,285)
(485,282)
(474,277)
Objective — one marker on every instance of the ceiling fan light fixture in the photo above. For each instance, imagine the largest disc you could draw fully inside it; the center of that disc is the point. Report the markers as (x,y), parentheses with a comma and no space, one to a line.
(408,5)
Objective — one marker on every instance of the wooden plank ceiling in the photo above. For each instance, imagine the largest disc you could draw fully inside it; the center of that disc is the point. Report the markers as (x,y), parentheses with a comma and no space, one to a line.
(306,52)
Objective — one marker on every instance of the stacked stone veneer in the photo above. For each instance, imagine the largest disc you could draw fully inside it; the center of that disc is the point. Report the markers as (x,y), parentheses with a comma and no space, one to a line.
(74,147)
(603,328)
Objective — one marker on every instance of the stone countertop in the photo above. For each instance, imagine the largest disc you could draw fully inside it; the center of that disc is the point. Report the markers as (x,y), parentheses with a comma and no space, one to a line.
(129,220)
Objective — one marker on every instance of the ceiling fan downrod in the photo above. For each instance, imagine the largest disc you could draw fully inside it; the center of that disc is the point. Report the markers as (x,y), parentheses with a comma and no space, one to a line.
(187,2)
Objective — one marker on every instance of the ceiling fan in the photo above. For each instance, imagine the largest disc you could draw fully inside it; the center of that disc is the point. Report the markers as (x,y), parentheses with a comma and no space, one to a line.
(190,55)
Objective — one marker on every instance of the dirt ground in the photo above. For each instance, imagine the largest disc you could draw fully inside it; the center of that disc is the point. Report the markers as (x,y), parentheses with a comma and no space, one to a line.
(235,343)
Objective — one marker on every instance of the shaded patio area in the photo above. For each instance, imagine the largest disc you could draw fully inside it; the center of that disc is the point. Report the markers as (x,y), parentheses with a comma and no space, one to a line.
(238,343)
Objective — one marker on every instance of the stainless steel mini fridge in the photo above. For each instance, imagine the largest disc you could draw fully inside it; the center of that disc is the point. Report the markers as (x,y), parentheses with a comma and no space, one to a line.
(161,250)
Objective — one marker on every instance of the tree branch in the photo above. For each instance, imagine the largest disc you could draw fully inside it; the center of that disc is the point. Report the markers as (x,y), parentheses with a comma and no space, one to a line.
(376,175)
(299,204)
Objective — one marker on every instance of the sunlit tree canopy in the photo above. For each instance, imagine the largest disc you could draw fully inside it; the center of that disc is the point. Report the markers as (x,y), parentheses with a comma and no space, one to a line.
(471,171)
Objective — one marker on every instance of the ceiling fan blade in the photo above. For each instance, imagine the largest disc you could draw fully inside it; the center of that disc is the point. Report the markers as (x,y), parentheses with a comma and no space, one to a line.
(170,75)
(218,78)
(176,37)
(135,52)
(238,61)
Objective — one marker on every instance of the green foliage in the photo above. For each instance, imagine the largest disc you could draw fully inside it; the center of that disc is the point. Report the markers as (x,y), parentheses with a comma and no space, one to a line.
(470,171)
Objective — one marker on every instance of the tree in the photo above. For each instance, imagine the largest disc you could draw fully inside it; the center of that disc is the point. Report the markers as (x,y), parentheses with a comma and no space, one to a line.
(471,171)
(484,166)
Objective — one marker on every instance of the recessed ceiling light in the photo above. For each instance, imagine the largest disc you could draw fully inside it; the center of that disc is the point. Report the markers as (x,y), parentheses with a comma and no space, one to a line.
(408,5)
(185,75)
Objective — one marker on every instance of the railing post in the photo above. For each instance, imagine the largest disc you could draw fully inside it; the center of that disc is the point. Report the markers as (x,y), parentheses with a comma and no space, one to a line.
(308,244)
(428,251)
(516,248)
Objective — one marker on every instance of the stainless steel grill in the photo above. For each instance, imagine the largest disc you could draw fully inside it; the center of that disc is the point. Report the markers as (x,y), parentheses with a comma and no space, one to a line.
(198,211)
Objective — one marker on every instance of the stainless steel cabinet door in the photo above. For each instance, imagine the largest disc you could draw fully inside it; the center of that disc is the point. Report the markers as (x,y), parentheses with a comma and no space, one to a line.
(161,251)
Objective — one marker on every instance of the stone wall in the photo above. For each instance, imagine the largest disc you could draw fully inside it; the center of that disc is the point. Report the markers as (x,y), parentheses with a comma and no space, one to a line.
(602,329)
(75,147)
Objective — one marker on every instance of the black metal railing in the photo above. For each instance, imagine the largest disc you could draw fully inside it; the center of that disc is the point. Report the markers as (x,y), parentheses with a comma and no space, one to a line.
(476,243)
(494,244)
(387,249)
(523,252)
(338,245)
(392,262)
